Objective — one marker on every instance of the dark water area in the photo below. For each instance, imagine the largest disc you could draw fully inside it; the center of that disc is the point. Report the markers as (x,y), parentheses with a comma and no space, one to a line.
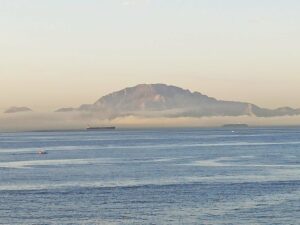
(157,176)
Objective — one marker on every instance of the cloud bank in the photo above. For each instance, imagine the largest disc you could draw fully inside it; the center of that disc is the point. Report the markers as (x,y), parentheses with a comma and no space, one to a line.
(76,120)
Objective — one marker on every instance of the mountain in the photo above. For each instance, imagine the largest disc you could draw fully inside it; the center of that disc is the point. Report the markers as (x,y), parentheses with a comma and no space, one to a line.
(172,101)
(15,109)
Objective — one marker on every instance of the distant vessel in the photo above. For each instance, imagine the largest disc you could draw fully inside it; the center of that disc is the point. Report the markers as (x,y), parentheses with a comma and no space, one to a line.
(101,128)
(42,152)
(236,125)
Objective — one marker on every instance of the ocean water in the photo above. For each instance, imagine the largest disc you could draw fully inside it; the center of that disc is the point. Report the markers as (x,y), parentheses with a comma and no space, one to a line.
(158,176)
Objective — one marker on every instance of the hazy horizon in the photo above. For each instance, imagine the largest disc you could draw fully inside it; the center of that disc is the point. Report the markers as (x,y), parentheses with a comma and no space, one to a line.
(93,101)
(75,120)
(65,53)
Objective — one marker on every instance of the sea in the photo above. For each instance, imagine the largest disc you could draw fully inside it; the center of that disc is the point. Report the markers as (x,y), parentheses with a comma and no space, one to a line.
(151,176)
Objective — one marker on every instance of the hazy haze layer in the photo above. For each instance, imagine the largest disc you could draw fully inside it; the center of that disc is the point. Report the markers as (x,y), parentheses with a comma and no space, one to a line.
(150,105)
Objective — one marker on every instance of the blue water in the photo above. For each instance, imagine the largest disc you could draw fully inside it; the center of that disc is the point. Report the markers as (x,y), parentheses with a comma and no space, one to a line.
(159,176)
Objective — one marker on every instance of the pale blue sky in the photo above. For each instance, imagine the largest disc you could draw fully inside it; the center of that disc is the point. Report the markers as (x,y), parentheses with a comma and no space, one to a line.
(58,53)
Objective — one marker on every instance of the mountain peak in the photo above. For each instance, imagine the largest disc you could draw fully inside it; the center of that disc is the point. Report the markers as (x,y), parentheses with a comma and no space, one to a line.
(171,101)
(153,97)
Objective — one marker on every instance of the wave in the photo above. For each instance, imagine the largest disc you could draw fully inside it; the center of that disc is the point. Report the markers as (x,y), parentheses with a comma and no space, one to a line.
(53,162)
(53,148)
(239,161)
(224,212)
(159,146)
(88,161)
(131,183)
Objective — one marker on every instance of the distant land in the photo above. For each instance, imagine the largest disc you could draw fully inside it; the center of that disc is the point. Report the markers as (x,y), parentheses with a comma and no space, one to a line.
(151,100)
(16,109)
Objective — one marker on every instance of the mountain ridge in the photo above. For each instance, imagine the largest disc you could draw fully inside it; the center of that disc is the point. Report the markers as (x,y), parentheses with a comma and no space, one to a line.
(18,109)
(172,101)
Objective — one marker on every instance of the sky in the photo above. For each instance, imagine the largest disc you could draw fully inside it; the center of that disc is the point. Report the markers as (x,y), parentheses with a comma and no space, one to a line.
(63,53)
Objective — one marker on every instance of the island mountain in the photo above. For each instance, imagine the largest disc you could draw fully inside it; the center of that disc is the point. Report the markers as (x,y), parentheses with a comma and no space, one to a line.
(171,101)
(16,109)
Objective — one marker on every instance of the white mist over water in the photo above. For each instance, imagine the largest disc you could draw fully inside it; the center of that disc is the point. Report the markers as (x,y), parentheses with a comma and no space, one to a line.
(77,120)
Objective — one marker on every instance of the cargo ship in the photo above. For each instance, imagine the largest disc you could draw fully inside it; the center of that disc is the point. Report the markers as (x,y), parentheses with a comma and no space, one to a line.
(100,128)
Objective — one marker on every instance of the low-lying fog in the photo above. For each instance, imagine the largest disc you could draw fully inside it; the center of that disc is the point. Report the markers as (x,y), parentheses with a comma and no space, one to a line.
(77,120)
